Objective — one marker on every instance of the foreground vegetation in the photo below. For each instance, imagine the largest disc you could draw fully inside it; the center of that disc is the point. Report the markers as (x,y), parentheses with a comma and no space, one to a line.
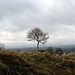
(36,63)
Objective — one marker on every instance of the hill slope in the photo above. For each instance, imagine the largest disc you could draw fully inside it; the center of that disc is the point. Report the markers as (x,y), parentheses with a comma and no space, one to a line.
(36,63)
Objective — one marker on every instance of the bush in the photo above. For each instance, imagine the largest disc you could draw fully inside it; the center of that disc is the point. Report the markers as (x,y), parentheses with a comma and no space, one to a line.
(59,51)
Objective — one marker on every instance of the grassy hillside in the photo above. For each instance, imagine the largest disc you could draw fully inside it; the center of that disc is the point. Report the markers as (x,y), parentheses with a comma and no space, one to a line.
(36,63)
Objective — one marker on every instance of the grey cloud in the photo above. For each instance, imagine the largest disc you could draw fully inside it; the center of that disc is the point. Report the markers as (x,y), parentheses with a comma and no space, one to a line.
(12,10)
(10,7)
(19,15)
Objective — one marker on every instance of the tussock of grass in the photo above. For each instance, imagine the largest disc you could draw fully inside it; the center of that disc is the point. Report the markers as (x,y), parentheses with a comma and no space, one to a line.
(39,63)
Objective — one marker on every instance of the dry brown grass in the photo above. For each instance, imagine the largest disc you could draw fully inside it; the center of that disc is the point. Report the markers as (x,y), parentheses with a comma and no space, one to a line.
(40,63)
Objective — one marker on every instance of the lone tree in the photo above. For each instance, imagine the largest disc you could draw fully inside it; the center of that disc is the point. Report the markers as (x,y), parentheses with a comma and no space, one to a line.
(38,35)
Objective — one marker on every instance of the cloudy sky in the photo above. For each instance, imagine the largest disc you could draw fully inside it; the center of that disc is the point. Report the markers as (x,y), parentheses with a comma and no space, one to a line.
(56,17)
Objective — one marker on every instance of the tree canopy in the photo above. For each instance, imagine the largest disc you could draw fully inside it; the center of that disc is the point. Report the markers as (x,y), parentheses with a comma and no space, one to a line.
(38,35)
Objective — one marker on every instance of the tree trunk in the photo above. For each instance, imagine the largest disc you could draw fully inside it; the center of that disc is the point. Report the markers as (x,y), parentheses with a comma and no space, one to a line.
(38,46)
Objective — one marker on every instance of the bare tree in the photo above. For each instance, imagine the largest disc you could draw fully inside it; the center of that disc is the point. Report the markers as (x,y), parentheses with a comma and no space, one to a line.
(38,35)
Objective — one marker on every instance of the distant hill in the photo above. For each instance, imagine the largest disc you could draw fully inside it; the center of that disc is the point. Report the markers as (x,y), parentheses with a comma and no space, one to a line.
(67,48)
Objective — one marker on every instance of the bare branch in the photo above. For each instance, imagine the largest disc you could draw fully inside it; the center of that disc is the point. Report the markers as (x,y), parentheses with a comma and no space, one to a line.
(37,35)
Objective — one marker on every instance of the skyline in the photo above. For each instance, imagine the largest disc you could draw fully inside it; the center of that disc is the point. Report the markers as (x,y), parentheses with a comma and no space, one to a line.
(56,17)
